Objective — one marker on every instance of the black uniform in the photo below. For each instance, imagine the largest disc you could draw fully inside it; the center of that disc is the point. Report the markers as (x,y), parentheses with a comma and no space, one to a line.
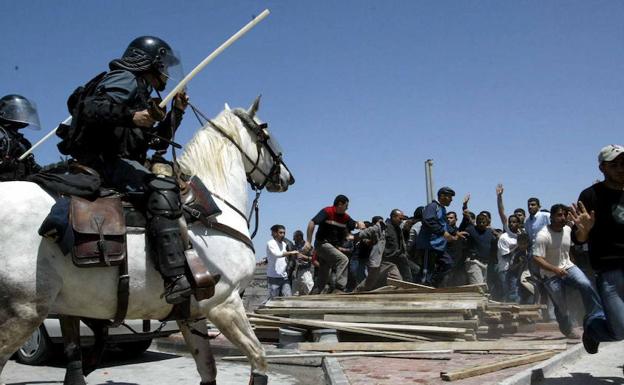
(104,137)
(12,145)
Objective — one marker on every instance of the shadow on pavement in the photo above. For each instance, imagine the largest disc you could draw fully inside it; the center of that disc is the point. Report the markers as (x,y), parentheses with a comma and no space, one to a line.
(580,379)
(111,359)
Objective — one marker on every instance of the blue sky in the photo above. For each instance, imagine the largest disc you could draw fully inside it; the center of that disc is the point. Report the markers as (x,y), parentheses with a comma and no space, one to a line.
(361,93)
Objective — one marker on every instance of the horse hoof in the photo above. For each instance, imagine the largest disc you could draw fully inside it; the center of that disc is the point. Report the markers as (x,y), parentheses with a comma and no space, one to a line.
(213,382)
(73,374)
(258,379)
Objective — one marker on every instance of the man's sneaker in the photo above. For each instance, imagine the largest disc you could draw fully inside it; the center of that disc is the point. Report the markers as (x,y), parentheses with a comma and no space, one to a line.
(177,290)
(572,335)
(590,344)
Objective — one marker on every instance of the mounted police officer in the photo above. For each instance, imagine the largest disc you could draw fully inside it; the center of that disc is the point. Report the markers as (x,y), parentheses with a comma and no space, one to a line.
(114,124)
(16,112)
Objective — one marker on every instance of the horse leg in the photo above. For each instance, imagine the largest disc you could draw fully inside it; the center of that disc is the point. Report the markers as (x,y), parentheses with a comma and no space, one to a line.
(196,337)
(232,321)
(21,313)
(93,358)
(70,329)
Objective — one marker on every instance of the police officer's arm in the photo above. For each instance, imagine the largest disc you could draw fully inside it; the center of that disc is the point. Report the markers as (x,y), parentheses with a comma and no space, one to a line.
(170,124)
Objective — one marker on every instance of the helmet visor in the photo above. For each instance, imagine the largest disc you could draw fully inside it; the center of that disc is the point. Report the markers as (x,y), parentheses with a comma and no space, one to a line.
(22,111)
(170,69)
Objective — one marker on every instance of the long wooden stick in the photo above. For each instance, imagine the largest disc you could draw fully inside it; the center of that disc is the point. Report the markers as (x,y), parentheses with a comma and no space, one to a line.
(344,354)
(496,366)
(213,55)
(182,83)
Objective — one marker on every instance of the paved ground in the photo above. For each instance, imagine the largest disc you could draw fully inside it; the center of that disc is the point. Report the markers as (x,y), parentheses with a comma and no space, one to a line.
(154,368)
(596,369)
(393,371)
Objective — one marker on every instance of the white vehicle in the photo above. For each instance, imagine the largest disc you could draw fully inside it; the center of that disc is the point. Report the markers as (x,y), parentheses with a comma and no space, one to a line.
(133,338)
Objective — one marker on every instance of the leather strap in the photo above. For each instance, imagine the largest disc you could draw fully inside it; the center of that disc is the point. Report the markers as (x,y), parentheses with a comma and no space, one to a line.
(228,231)
(123,293)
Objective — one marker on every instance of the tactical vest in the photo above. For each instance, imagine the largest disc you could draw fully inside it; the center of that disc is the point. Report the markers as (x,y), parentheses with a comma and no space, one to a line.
(74,137)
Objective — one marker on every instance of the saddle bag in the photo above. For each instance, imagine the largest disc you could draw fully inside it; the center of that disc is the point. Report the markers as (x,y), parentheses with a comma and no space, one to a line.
(99,232)
(198,201)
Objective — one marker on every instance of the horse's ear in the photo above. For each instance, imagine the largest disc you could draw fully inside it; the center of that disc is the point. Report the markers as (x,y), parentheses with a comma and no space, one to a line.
(227,107)
(254,107)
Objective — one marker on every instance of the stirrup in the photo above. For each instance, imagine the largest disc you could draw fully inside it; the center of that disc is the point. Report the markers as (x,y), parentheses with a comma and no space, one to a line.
(177,290)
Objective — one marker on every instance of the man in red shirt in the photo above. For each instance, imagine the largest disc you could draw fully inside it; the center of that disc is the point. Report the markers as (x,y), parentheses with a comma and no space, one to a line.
(334,224)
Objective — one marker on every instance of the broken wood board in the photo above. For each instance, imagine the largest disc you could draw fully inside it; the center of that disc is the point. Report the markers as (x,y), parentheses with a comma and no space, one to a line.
(437,345)
(496,366)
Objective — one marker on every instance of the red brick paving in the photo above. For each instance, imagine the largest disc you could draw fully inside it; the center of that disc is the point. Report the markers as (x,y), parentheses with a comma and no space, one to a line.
(400,371)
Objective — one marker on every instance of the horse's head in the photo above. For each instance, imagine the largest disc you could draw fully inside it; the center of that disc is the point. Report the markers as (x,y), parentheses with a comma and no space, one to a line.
(262,153)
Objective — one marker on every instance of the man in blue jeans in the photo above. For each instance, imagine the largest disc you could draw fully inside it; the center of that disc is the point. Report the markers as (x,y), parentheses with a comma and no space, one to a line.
(599,219)
(551,252)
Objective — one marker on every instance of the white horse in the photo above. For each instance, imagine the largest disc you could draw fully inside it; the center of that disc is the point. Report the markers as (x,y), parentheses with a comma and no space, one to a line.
(37,279)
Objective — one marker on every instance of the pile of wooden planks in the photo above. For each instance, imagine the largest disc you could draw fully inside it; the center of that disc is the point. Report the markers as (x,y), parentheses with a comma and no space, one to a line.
(411,319)
(401,312)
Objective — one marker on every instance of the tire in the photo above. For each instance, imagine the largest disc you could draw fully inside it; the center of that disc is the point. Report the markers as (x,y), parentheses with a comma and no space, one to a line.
(37,349)
(134,349)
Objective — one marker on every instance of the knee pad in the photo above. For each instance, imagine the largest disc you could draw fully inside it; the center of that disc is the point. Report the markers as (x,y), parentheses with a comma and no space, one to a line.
(163,197)
(166,243)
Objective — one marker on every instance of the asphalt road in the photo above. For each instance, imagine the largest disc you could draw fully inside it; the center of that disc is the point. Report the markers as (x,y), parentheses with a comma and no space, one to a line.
(153,368)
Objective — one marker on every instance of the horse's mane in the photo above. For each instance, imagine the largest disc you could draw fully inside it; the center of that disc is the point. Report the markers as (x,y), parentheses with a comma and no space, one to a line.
(210,156)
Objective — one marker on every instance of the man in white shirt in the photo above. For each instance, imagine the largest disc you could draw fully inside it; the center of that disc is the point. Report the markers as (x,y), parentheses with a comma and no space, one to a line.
(536,220)
(277,274)
(551,252)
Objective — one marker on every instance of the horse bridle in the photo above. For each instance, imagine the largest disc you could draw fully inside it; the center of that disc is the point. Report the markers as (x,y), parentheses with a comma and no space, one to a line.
(272,176)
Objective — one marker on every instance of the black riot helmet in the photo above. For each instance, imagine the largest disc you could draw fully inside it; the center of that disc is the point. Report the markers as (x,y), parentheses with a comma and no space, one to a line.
(18,112)
(149,54)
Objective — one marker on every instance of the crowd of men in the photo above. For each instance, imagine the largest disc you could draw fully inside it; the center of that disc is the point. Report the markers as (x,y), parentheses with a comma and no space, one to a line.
(532,259)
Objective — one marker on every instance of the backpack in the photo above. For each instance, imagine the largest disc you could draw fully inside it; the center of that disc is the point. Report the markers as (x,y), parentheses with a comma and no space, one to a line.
(74,137)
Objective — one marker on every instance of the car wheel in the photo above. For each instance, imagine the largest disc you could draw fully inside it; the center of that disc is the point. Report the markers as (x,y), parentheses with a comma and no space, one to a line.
(37,349)
(135,348)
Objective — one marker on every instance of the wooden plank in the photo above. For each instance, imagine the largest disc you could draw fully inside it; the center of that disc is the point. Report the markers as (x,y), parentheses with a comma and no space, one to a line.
(358,330)
(496,366)
(416,329)
(437,345)
(411,304)
(454,322)
(363,310)
(342,354)
(398,296)
(408,285)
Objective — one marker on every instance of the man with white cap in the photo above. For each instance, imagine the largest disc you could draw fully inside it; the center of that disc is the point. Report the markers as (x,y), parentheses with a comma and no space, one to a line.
(599,221)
